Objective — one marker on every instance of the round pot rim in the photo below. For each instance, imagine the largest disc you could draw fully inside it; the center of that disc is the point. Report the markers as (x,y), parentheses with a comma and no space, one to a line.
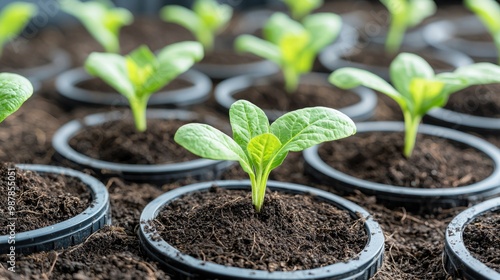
(225,90)
(465,120)
(198,92)
(70,129)
(311,156)
(455,249)
(98,206)
(369,256)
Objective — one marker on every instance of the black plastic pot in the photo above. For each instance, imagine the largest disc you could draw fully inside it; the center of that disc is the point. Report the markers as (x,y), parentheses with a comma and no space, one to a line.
(59,62)
(66,85)
(412,198)
(184,266)
(463,122)
(66,233)
(225,91)
(444,35)
(201,169)
(458,261)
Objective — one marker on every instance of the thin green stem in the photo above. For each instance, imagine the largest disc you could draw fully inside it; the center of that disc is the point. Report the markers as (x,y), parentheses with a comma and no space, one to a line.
(496,39)
(396,34)
(291,79)
(260,189)
(411,128)
(139,107)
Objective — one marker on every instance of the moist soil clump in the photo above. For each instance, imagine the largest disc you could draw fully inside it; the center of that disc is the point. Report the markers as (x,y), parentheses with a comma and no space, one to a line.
(482,240)
(292,232)
(482,101)
(435,162)
(41,199)
(99,85)
(119,141)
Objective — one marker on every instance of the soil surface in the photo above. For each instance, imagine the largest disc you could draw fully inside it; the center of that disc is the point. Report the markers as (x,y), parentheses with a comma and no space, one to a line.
(222,226)
(482,240)
(483,101)
(40,199)
(96,84)
(435,162)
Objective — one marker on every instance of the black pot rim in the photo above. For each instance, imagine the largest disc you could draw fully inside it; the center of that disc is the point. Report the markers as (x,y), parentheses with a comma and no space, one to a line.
(200,90)
(464,122)
(59,61)
(60,142)
(362,110)
(490,183)
(68,232)
(365,264)
(456,256)
(225,71)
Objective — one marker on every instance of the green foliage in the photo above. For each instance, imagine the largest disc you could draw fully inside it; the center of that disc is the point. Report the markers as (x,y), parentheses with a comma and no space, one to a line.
(416,88)
(140,74)
(302,8)
(405,14)
(260,147)
(14,90)
(102,20)
(488,12)
(206,19)
(292,45)
(13,19)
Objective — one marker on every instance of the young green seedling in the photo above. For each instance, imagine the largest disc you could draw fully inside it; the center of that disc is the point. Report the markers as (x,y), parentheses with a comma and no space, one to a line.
(140,74)
(260,147)
(14,90)
(206,19)
(292,45)
(301,8)
(405,14)
(416,88)
(101,19)
(13,19)
(488,12)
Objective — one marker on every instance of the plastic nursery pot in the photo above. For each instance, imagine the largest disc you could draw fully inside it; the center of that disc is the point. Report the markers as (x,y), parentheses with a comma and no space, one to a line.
(458,261)
(332,58)
(445,35)
(59,62)
(412,198)
(225,91)
(67,233)
(362,266)
(66,86)
(202,169)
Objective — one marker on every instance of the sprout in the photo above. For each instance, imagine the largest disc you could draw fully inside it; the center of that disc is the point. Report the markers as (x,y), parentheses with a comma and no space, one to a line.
(488,12)
(13,19)
(14,91)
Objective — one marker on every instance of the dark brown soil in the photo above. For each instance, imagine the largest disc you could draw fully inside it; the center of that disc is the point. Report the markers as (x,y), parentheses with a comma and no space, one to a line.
(483,101)
(40,200)
(292,232)
(481,37)
(119,141)
(387,109)
(274,96)
(482,240)
(229,57)
(435,162)
(96,84)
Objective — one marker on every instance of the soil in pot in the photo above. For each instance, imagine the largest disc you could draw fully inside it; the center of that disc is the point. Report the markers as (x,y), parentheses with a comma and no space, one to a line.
(99,85)
(435,162)
(482,240)
(42,200)
(274,96)
(482,101)
(221,226)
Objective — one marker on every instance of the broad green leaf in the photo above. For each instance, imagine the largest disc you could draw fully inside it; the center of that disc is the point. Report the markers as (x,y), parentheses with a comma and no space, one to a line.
(259,47)
(13,19)
(323,28)
(214,16)
(182,16)
(425,94)
(418,10)
(488,12)
(112,68)
(279,25)
(291,46)
(262,150)
(304,128)
(404,68)
(182,49)
(14,91)
(247,122)
(141,65)
(301,8)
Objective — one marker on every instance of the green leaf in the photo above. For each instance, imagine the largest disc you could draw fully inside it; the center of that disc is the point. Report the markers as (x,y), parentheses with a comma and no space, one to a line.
(247,122)
(262,150)
(280,25)
(301,8)
(404,68)
(323,28)
(425,94)
(14,91)
(488,12)
(259,47)
(182,16)
(13,19)
(418,10)
(214,16)
(304,128)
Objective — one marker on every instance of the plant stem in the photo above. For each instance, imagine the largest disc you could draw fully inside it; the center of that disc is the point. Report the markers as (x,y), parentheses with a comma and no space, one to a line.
(496,39)
(139,107)
(259,192)
(291,79)
(411,128)
(395,35)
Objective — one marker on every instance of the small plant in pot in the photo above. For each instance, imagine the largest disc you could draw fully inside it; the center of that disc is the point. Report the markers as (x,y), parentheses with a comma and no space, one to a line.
(46,207)
(293,46)
(428,179)
(205,20)
(117,144)
(272,219)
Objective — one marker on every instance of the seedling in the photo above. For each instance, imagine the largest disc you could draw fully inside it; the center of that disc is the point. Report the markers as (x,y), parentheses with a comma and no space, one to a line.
(292,45)
(101,19)
(301,8)
(206,19)
(416,88)
(140,74)
(14,91)
(405,14)
(13,19)
(260,147)
(488,12)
